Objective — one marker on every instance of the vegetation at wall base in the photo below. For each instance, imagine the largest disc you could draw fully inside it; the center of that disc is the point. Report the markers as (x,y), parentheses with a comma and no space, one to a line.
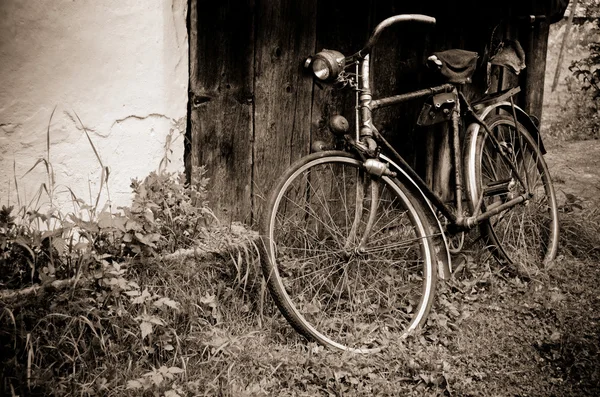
(160,299)
(186,313)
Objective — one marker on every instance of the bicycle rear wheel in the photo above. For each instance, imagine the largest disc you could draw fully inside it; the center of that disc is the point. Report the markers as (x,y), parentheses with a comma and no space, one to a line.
(524,236)
(328,286)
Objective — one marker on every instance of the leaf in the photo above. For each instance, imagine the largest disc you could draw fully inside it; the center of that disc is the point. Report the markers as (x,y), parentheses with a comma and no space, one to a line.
(25,244)
(154,320)
(217,341)
(51,233)
(132,225)
(144,239)
(59,245)
(105,220)
(157,378)
(85,225)
(134,384)
(133,284)
(119,223)
(82,245)
(209,300)
(167,302)
(40,160)
(175,370)
(146,328)
(142,298)
(149,215)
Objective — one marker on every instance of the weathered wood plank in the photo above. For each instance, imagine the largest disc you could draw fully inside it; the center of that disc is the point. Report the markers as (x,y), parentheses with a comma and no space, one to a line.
(344,29)
(285,37)
(535,54)
(222,114)
(247,84)
(191,151)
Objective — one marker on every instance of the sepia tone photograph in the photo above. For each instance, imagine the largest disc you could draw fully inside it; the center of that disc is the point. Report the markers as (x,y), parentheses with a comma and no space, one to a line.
(300,198)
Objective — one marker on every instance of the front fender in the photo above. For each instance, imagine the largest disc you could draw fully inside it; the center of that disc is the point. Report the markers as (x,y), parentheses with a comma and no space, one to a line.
(444,259)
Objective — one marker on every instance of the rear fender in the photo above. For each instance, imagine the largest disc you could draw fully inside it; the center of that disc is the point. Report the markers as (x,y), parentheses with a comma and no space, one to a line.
(522,116)
(471,141)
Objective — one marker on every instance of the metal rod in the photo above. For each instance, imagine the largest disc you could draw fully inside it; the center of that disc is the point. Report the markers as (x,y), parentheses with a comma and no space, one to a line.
(497,188)
(392,100)
(430,195)
(358,208)
(498,147)
(389,22)
(500,208)
(458,169)
(366,122)
(372,214)
(357,103)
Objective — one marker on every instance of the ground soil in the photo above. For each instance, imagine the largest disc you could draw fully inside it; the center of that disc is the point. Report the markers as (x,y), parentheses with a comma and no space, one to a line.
(575,169)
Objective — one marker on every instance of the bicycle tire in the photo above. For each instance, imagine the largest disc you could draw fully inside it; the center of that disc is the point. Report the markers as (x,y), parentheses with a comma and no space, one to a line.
(526,235)
(329,292)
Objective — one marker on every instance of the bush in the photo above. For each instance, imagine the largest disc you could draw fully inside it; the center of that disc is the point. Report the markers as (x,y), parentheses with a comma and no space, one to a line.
(166,214)
(582,108)
(580,118)
(54,339)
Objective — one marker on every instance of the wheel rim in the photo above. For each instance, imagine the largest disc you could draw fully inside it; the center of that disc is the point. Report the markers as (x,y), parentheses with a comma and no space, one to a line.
(344,299)
(525,235)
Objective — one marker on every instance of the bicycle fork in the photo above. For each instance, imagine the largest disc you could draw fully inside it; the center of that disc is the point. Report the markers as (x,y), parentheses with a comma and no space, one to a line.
(373,189)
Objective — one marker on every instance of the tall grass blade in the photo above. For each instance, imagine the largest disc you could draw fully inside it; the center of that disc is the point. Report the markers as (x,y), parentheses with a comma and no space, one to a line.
(89,139)
(14,322)
(16,183)
(105,169)
(48,135)
(40,160)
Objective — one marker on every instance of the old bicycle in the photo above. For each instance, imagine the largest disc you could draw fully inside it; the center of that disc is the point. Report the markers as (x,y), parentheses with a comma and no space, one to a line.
(354,239)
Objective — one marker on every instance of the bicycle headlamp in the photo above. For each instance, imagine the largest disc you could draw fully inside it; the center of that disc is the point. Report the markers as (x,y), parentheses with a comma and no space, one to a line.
(327,65)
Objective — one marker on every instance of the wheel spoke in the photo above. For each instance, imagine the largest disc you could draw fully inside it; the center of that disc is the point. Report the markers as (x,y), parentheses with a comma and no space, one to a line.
(331,292)
(525,235)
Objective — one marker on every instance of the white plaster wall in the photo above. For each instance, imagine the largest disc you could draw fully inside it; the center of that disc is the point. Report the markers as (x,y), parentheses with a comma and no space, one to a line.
(120,65)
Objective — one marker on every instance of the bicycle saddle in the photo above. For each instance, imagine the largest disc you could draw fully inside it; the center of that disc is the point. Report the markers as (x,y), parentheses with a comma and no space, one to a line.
(456,66)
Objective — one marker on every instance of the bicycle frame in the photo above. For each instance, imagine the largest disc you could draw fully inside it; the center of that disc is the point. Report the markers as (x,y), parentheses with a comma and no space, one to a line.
(353,237)
(331,66)
(365,130)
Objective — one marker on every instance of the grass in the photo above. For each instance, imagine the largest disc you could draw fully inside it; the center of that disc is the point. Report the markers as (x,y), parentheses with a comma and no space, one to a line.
(198,321)
(490,334)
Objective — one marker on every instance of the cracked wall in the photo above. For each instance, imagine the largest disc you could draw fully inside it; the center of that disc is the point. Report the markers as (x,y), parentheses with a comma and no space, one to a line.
(117,69)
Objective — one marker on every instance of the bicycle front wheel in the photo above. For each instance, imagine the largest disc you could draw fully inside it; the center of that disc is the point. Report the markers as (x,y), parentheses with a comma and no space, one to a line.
(524,236)
(348,257)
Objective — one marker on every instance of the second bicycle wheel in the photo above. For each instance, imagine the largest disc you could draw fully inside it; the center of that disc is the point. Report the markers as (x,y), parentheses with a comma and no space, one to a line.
(524,236)
(333,284)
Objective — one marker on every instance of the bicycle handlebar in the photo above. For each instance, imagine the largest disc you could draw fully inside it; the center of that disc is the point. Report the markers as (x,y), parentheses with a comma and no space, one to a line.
(386,23)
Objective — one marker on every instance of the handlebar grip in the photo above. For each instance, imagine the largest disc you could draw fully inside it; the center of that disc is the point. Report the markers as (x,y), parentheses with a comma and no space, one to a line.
(386,23)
